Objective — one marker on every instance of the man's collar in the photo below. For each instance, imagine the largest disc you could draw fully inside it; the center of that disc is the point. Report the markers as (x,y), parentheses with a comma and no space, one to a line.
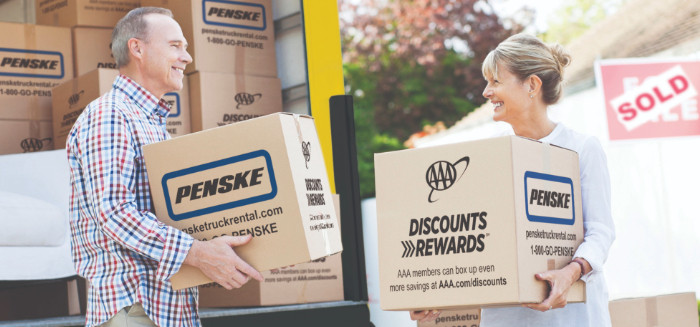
(142,97)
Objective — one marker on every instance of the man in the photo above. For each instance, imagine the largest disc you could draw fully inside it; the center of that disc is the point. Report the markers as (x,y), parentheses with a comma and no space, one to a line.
(118,245)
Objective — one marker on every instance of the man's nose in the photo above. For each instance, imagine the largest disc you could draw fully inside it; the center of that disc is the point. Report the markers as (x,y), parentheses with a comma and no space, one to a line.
(187,58)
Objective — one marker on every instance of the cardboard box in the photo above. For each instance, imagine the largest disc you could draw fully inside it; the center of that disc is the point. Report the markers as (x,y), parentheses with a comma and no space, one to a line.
(470,224)
(92,49)
(226,36)
(33,60)
(41,299)
(455,318)
(672,310)
(70,99)
(95,13)
(221,99)
(320,280)
(179,120)
(265,177)
(20,136)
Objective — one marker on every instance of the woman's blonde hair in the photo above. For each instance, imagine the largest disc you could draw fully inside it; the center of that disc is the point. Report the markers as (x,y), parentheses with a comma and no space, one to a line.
(525,55)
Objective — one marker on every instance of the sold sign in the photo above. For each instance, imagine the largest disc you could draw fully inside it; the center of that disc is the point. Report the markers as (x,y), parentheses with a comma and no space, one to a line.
(657,95)
(649,98)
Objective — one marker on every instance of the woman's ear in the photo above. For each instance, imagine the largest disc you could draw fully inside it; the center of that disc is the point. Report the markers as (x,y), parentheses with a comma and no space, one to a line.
(534,83)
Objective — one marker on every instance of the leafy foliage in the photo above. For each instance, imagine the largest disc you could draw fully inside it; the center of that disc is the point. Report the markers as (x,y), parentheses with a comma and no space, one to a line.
(575,17)
(409,63)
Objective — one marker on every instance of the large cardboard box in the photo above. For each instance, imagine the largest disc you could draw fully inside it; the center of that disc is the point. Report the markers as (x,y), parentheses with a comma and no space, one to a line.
(470,224)
(95,13)
(33,60)
(179,120)
(221,99)
(455,318)
(70,99)
(672,310)
(318,281)
(20,136)
(41,299)
(92,49)
(265,177)
(226,36)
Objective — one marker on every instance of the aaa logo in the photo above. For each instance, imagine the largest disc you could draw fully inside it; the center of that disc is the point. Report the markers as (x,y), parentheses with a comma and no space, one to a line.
(306,151)
(442,174)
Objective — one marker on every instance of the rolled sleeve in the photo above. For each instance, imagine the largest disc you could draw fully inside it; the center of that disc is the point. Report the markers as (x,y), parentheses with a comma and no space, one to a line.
(599,229)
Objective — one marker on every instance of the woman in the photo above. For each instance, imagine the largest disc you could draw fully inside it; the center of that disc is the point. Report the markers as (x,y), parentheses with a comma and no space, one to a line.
(524,77)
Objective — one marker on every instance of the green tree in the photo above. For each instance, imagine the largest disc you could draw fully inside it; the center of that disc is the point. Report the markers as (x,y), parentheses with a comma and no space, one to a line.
(575,17)
(410,63)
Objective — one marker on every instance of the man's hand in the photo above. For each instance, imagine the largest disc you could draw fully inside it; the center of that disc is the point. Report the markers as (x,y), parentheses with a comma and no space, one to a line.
(218,261)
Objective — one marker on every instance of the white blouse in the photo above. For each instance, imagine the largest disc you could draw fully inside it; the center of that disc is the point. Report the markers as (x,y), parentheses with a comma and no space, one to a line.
(599,234)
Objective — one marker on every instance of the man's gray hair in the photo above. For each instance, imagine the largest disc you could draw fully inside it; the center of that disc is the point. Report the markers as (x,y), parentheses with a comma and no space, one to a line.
(133,25)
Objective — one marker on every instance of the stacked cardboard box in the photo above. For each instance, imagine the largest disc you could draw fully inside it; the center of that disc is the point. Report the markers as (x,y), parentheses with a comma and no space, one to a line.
(92,49)
(91,22)
(221,99)
(70,13)
(320,280)
(90,26)
(71,98)
(455,318)
(233,75)
(470,224)
(33,60)
(671,310)
(274,186)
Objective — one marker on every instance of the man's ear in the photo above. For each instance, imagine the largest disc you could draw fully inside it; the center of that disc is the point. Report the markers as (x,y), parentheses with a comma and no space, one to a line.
(134,46)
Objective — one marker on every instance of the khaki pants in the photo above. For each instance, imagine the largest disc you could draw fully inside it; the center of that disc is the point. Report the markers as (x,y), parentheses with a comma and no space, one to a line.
(132,316)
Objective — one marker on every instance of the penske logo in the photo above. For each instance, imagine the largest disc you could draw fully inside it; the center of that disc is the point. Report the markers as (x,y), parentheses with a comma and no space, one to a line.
(549,198)
(234,14)
(173,100)
(31,63)
(220,185)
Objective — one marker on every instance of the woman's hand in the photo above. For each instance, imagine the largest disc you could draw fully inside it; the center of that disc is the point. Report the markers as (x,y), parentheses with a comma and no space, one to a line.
(560,282)
(425,316)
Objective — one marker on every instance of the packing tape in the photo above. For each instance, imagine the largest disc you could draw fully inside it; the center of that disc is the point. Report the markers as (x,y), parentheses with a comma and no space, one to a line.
(34,129)
(297,124)
(30,43)
(300,136)
(652,312)
(240,83)
(239,61)
(326,239)
(551,264)
(546,157)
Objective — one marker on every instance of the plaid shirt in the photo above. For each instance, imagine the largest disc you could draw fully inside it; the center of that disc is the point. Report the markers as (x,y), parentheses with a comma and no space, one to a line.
(126,254)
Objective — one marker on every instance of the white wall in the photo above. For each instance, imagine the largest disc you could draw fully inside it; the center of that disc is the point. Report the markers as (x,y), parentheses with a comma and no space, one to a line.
(655,204)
